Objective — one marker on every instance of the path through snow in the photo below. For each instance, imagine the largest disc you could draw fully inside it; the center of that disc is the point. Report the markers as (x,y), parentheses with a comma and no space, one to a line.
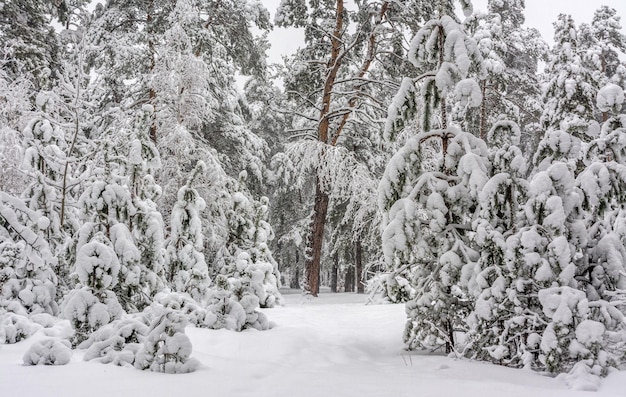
(333,345)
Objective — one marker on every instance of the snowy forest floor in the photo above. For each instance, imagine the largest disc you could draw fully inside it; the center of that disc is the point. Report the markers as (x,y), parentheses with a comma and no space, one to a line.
(334,345)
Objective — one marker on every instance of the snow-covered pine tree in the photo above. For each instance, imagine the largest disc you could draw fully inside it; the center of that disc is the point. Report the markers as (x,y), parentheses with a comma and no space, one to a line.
(166,348)
(569,94)
(541,260)
(511,53)
(146,225)
(602,272)
(185,267)
(427,217)
(92,303)
(27,280)
(428,195)
(31,45)
(245,259)
(492,322)
(14,115)
(603,43)
(120,183)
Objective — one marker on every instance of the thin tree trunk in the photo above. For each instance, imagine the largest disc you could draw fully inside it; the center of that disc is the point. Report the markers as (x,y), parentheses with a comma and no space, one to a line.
(483,111)
(71,149)
(358,262)
(295,279)
(152,93)
(334,273)
(316,238)
(450,342)
(349,279)
(443,105)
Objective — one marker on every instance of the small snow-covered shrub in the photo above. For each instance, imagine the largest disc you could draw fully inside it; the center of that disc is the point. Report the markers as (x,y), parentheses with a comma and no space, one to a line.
(43,319)
(183,303)
(257,277)
(92,303)
(48,352)
(88,312)
(233,306)
(224,312)
(389,288)
(117,342)
(14,328)
(166,348)
(26,286)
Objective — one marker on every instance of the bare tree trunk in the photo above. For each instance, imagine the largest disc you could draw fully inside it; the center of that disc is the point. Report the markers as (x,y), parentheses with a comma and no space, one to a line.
(316,238)
(483,111)
(450,342)
(443,104)
(349,280)
(358,261)
(152,93)
(334,273)
(295,279)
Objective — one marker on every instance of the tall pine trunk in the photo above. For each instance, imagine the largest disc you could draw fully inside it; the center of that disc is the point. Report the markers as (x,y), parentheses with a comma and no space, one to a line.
(329,133)
(316,238)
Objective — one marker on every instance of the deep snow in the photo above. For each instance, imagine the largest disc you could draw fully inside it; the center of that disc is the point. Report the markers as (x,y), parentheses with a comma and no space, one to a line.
(334,345)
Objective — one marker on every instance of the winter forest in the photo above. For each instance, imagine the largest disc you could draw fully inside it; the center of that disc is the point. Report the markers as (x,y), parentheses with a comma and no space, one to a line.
(414,151)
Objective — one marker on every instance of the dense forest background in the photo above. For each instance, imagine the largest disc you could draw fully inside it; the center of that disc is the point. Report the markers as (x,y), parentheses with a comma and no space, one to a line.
(432,155)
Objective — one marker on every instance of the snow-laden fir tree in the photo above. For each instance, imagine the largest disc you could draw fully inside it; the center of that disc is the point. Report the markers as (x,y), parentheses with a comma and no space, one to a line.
(245,260)
(28,283)
(541,260)
(117,342)
(119,203)
(427,217)
(146,225)
(428,195)
(601,275)
(491,335)
(44,158)
(603,43)
(92,303)
(166,348)
(185,267)
(56,147)
(511,53)
(14,114)
(569,94)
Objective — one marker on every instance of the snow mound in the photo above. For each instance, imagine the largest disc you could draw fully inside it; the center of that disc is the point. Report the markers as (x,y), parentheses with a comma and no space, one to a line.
(48,352)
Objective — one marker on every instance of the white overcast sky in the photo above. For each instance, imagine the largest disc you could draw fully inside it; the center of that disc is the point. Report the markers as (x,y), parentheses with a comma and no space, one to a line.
(539,14)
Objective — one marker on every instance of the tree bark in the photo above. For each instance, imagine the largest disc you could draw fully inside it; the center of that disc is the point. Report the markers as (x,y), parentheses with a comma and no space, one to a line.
(295,279)
(329,135)
(483,111)
(358,262)
(152,93)
(316,238)
(334,273)
(349,280)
